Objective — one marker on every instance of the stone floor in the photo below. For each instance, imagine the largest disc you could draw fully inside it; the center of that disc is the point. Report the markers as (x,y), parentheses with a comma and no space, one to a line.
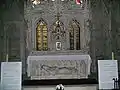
(67,87)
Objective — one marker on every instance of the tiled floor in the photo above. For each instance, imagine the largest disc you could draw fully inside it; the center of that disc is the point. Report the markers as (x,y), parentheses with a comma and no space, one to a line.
(67,87)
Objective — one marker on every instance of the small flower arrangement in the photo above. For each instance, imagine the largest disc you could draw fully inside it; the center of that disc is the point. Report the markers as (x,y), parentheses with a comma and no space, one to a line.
(60,87)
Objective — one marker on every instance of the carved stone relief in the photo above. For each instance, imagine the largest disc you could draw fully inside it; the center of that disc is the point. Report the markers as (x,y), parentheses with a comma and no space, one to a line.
(47,11)
(59,67)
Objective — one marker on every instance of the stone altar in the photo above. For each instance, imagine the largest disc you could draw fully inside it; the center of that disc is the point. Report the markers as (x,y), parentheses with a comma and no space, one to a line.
(58,67)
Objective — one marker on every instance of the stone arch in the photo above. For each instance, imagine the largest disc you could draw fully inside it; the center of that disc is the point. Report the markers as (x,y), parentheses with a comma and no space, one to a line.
(41,36)
(74,35)
(40,19)
(57,34)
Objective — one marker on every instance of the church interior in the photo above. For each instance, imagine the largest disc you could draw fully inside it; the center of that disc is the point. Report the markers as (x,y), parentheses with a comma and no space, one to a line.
(55,34)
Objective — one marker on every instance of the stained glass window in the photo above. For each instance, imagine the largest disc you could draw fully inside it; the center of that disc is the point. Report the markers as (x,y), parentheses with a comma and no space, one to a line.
(71,33)
(41,36)
(74,34)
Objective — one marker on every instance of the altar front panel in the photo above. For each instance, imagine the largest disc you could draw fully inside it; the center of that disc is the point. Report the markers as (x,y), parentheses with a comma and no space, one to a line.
(58,66)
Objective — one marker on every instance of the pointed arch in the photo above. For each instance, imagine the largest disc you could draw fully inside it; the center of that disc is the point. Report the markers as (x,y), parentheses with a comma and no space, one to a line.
(74,35)
(41,36)
(71,37)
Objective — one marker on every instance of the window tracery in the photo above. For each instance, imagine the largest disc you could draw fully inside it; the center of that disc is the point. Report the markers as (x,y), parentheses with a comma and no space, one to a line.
(74,35)
(41,36)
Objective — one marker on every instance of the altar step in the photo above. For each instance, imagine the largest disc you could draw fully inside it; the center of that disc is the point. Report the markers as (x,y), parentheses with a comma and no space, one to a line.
(59,81)
(66,87)
(69,84)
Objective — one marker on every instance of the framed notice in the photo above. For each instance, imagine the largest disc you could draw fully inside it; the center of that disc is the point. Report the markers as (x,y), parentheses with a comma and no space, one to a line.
(11,73)
(107,70)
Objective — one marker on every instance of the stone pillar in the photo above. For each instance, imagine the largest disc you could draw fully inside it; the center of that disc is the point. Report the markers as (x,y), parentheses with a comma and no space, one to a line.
(1,39)
(107,31)
(5,41)
(22,46)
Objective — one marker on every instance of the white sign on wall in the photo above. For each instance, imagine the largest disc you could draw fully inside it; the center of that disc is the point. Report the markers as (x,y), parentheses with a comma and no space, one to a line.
(107,70)
(11,73)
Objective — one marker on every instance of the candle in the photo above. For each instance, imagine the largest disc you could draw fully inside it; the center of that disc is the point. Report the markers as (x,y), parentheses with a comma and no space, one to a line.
(7,58)
(112,56)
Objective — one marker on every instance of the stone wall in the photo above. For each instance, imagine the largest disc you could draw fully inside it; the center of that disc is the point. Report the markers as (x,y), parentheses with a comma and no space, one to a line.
(115,25)
(12,31)
(101,47)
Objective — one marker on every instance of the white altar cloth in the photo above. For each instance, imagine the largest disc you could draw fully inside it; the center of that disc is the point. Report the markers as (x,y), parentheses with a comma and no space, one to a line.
(58,66)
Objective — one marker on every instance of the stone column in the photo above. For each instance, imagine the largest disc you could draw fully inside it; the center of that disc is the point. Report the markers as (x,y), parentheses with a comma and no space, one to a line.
(107,31)
(5,41)
(1,40)
(22,46)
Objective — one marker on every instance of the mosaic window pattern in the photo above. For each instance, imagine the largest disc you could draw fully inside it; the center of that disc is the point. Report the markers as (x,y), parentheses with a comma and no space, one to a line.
(41,36)
(74,34)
